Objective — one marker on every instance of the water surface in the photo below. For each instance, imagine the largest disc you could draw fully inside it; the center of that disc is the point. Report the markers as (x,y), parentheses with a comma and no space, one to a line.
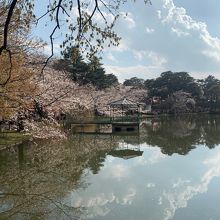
(169,171)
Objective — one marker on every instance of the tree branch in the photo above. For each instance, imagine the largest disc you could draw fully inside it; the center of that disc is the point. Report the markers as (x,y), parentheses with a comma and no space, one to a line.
(6,26)
(52,34)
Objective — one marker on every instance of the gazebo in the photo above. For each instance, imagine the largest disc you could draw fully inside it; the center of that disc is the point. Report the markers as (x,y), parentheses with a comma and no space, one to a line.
(125,106)
(124,115)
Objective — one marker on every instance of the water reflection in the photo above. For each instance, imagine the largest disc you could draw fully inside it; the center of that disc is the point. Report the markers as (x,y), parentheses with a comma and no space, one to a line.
(125,150)
(115,177)
(126,153)
(182,134)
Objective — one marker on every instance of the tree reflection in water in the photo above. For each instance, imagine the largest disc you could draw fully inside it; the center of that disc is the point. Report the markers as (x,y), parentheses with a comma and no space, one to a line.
(36,176)
(182,134)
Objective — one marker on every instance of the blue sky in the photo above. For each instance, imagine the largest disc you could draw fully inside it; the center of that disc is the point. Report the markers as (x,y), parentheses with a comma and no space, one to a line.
(177,35)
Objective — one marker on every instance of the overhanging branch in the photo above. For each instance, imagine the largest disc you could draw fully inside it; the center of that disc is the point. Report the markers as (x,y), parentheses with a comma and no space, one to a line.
(6,26)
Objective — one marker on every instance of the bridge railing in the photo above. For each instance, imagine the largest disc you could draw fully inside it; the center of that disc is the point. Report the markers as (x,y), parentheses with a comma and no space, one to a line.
(128,118)
(105,119)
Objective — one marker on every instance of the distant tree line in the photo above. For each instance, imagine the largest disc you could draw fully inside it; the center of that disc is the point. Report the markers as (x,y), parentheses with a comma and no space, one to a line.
(82,72)
(172,87)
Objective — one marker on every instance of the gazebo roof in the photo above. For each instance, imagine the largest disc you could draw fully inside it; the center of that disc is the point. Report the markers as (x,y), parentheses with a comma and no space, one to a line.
(123,102)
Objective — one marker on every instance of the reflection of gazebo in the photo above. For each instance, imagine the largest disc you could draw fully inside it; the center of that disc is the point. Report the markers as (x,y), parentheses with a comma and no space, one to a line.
(126,153)
(124,106)
(126,150)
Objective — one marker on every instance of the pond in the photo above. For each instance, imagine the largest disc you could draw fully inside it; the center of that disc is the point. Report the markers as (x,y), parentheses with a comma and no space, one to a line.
(170,170)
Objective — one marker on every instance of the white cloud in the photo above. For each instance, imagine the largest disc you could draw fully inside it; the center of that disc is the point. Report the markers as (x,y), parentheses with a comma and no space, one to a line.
(151,185)
(212,54)
(184,25)
(97,205)
(154,156)
(118,171)
(157,59)
(179,33)
(150,30)
(56,49)
(128,18)
(128,198)
(214,46)
(140,71)
(111,57)
(139,55)
(159,14)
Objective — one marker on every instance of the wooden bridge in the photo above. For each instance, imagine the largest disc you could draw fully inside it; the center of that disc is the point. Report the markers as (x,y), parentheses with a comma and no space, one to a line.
(118,124)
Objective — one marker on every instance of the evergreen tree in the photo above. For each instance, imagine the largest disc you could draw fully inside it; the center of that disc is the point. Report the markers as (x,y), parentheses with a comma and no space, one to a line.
(82,72)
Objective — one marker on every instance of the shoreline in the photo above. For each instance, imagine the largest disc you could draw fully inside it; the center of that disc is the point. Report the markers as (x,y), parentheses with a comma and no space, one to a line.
(53,130)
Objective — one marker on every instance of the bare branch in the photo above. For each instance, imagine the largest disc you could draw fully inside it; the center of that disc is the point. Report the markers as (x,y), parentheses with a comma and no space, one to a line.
(6,26)
(106,6)
(80,17)
(97,6)
(57,13)
(52,34)
(51,10)
(90,17)
(64,10)
(46,13)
